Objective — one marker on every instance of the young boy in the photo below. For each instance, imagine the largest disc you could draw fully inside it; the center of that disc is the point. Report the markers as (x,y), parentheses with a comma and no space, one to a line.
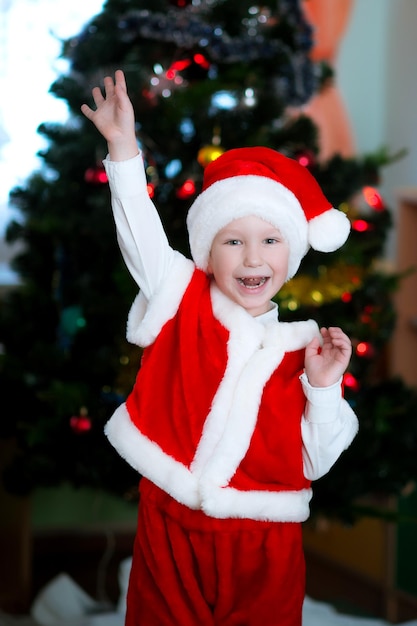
(233,413)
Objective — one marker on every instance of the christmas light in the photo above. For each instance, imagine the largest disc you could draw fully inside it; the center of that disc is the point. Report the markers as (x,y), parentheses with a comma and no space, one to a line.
(249,98)
(96,175)
(186,190)
(224,100)
(81,423)
(364,349)
(306,158)
(373,198)
(351,382)
(173,168)
(180,65)
(201,60)
(361,226)
(207,154)
(317,296)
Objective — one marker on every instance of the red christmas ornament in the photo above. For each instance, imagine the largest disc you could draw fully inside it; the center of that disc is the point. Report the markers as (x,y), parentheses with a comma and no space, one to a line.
(151,189)
(178,66)
(346,297)
(365,349)
(200,59)
(306,158)
(96,175)
(351,382)
(361,226)
(192,67)
(80,423)
(186,190)
(373,198)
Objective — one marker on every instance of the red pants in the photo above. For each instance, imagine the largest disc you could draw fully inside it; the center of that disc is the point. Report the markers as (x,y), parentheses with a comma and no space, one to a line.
(192,570)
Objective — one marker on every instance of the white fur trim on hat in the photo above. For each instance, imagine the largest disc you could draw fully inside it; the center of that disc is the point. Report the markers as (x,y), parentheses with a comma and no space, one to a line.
(262,182)
(328,232)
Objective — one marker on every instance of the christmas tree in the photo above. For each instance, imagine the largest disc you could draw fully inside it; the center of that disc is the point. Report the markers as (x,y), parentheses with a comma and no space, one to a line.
(204,76)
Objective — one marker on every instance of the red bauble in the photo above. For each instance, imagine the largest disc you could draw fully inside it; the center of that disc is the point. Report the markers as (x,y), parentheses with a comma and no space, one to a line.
(151,189)
(80,423)
(96,175)
(306,158)
(186,190)
(373,198)
(351,382)
(365,350)
(361,226)
(194,66)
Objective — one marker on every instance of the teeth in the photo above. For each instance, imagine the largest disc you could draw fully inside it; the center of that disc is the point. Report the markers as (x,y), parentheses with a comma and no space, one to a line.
(252,282)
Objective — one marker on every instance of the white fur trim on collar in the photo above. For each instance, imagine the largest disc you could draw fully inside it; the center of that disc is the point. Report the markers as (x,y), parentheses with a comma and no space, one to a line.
(254,351)
(147,318)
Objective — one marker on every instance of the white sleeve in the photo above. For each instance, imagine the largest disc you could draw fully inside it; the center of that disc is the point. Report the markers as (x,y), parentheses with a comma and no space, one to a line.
(328,427)
(140,233)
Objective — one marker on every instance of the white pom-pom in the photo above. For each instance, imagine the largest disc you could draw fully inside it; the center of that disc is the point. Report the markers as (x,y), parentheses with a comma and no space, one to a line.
(328,232)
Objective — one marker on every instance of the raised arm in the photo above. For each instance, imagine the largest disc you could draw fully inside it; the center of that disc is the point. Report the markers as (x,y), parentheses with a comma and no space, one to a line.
(114,117)
(140,234)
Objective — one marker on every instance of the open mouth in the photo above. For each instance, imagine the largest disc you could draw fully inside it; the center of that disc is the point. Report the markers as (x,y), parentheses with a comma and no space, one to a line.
(252,282)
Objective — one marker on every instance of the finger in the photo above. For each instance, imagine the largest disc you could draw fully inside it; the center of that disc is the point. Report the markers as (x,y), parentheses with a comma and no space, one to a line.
(120,79)
(87,111)
(339,336)
(313,346)
(108,86)
(97,95)
(336,331)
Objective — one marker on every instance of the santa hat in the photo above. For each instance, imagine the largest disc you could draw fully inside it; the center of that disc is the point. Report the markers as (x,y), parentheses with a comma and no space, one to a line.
(262,182)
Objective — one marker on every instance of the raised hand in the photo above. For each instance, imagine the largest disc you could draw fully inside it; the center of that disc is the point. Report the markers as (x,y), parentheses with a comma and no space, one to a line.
(114,117)
(325,364)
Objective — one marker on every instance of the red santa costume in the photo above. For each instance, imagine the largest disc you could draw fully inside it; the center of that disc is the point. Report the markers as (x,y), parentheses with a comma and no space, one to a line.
(222,423)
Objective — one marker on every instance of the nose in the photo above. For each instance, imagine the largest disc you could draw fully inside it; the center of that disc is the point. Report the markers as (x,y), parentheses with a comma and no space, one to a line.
(253,257)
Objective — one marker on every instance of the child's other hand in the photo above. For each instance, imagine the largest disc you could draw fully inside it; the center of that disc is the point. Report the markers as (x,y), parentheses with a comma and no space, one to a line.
(325,364)
(114,117)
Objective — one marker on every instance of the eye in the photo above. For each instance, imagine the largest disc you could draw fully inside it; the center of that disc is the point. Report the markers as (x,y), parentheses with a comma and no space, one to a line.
(233,242)
(271,240)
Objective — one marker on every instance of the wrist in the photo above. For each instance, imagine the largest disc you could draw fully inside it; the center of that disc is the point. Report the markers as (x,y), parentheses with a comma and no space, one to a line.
(321,382)
(122,150)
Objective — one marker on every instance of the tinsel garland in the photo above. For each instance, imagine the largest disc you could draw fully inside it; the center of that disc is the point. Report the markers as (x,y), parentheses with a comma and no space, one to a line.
(332,283)
(187,30)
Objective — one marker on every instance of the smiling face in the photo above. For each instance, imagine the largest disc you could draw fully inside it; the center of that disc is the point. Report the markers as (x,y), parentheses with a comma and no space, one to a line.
(249,262)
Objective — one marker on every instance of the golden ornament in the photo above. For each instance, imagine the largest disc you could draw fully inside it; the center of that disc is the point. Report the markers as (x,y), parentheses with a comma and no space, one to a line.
(207,154)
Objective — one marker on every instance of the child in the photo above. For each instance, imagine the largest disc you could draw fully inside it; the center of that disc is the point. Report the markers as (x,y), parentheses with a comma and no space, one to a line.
(233,413)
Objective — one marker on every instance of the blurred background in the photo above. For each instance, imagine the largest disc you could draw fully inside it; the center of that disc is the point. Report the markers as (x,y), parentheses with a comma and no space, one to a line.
(332,84)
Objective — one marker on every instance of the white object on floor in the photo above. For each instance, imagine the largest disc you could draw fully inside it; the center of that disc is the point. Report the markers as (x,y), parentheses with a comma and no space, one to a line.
(124,572)
(62,601)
